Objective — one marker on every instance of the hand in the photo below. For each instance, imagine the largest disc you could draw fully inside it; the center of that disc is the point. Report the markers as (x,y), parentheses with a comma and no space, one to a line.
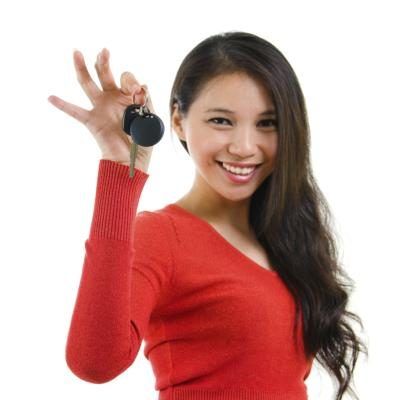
(104,121)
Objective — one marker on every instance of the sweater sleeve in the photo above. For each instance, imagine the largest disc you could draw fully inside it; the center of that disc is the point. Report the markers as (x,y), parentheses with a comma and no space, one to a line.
(126,266)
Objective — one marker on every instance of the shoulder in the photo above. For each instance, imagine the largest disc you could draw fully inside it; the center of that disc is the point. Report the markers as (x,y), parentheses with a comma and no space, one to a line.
(154,223)
(154,236)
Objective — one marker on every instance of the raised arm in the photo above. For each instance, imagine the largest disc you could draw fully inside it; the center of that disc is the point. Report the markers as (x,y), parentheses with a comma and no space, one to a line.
(117,292)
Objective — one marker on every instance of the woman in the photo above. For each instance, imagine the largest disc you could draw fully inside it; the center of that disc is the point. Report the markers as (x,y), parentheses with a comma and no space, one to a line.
(236,287)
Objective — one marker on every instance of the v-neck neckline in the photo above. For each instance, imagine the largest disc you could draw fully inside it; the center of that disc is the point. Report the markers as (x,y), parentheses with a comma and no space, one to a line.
(221,237)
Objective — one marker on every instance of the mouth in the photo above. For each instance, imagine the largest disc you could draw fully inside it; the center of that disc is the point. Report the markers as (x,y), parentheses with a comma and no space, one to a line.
(238,178)
(220,163)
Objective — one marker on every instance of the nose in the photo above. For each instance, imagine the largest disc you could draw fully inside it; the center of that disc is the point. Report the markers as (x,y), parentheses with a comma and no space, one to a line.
(243,143)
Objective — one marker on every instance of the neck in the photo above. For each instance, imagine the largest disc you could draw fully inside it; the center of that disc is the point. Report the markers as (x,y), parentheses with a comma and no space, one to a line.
(219,211)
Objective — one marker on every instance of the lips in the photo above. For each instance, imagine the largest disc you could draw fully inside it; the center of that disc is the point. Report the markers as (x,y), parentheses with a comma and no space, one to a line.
(239,165)
(238,178)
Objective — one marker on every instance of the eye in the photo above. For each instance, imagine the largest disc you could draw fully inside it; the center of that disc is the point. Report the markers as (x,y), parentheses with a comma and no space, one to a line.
(270,122)
(214,119)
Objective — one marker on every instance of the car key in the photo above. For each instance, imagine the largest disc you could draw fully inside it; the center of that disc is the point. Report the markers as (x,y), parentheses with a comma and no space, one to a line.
(132,158)
(145,129)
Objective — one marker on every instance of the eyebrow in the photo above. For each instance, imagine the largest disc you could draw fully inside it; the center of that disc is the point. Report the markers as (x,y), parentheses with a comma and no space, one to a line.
(225,110)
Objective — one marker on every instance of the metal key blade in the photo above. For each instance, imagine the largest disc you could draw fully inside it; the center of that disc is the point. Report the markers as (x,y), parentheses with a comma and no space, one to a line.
(132,159)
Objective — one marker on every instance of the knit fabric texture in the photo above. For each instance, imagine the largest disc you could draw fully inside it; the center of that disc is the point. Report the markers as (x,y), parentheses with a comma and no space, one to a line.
(215,324)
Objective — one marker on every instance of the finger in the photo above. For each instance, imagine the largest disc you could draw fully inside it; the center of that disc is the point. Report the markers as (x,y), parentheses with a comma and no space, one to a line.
(103,69)
(84,78)
(129,84)
(74,111)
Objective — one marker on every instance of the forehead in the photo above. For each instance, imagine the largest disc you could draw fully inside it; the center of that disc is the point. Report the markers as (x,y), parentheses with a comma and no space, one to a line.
(237,92)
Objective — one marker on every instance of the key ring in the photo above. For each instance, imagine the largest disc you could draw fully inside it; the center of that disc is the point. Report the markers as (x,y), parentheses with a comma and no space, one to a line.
(141,113)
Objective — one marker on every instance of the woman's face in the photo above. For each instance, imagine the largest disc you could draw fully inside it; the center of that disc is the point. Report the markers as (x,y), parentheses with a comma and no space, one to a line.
(243,136)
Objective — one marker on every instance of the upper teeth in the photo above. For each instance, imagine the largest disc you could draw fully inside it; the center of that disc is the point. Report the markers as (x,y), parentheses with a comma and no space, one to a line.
(238,170)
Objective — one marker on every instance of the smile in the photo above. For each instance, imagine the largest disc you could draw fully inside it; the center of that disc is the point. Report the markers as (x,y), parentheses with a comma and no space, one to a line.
(238,176)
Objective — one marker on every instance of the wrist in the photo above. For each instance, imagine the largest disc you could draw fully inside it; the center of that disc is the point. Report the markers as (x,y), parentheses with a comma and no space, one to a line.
(138,165)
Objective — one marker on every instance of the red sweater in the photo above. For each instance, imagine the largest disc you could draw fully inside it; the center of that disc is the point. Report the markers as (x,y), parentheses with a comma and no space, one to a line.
(216,325)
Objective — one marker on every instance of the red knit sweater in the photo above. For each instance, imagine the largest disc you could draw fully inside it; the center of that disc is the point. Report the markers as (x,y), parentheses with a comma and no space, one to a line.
(216,325)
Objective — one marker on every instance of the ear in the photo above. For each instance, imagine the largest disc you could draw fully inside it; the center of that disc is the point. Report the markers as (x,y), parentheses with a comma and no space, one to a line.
(176,122)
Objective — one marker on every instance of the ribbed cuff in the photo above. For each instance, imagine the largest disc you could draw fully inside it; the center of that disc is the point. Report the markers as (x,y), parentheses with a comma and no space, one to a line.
(116,201)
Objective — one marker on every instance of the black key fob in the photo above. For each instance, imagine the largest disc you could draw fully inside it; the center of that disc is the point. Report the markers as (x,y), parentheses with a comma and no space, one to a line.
(145,128)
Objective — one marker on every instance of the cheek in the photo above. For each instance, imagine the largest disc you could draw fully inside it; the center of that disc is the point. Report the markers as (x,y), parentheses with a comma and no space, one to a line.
(204,150)
(271,147)
(205,155)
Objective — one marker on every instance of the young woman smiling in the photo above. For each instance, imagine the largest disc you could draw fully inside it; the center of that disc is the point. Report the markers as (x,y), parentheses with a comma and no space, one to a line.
(236,287)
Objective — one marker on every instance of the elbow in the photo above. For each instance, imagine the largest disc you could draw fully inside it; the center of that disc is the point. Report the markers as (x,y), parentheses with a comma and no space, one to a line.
(95,370)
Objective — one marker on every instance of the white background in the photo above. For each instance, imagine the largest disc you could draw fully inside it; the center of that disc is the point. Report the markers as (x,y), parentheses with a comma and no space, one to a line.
(345,54)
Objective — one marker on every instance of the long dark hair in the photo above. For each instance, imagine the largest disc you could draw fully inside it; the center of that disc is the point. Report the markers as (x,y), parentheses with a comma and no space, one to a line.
(288,212)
